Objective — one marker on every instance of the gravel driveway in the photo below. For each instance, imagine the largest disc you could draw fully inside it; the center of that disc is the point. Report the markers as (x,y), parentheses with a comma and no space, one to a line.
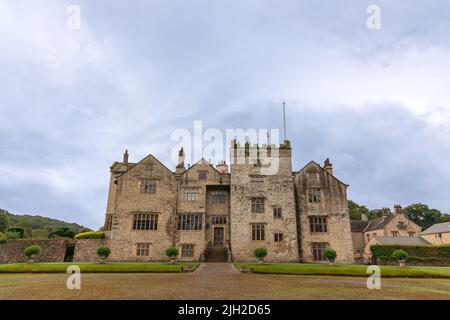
(216,281)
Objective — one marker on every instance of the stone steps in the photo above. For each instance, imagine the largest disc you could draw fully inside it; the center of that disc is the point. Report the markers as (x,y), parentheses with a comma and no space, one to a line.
(217,254)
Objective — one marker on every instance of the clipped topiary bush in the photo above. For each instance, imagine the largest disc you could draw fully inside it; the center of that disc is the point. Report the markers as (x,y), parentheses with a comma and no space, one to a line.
(90,235)
(172,253)
(260,254)
(401,256)
(103,253)
(31,252)
(330,254)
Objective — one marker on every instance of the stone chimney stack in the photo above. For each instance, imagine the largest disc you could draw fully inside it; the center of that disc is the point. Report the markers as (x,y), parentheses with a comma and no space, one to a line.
(222,167)
(398,209)
(125,158)
(364,217)
(328,166)
(180,166)
(386,211)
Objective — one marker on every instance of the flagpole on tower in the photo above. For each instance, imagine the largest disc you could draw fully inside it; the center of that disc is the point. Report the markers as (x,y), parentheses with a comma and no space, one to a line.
(284,119)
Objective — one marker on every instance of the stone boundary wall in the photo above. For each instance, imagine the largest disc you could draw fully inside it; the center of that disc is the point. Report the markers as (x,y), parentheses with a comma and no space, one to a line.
(86,249)
(53,250)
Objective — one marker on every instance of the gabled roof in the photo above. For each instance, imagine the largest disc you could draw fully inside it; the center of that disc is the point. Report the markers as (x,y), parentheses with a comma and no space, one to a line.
(201,161)
(321,168)
(438,228)
(379,223)
(131,166)
(358,225)
(401,240)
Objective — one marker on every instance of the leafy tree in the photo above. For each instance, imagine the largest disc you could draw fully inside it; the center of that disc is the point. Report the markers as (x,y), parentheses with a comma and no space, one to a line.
(4,221)
(356,210)
(62,233)
(423,215)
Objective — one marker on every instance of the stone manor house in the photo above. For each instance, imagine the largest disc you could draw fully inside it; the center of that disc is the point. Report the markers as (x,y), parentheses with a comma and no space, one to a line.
(221,213)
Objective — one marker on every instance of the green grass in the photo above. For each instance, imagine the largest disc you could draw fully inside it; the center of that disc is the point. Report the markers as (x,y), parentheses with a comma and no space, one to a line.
(88,267)
(345,270)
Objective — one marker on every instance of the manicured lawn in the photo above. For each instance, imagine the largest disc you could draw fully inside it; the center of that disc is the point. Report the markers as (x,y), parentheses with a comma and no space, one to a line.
(345,270)
(87,267)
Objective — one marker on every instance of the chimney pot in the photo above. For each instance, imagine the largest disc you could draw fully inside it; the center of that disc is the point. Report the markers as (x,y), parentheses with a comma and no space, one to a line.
(125,157)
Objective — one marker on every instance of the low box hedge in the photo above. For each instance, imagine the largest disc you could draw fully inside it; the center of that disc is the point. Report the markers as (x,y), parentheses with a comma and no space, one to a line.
(384,251)
(90,235)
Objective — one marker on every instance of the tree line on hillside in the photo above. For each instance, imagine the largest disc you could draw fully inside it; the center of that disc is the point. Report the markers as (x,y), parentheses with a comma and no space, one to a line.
(35,227)
(419,213)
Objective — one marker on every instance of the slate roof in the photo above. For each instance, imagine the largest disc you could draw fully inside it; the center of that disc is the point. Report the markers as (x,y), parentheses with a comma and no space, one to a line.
(358,225)
(375,224)
(401,240)
(438,228)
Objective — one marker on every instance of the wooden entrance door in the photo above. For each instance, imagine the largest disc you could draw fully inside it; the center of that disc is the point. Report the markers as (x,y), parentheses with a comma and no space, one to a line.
(218,236)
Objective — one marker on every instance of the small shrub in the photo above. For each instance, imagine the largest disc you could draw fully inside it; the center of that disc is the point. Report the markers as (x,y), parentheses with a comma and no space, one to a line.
(3,237)
(172,252)
(400,255)
(330,254)
(90,235)
(20,231)
(260,253)
(103,252)
(32,251)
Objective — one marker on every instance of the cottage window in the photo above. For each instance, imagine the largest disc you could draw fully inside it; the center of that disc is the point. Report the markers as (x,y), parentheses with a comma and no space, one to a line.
(187,250)
(219,220)
(318,249)
(258,231)
(314,195)
(191,194)
(202,175)
(258,205)
(318,224)
(218,197)
(411,233)
(395,233)
(148,167)
(148,185)
(277,213)
(190,221)
(143,249)
(278,237)
(145,221)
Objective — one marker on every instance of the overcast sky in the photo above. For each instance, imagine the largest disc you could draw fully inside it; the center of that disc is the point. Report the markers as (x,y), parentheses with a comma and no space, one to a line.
(376,102)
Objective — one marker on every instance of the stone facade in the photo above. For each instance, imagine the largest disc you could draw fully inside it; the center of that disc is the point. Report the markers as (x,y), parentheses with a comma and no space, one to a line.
(203,207)
(323,214)
(53,250)
(86,249)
